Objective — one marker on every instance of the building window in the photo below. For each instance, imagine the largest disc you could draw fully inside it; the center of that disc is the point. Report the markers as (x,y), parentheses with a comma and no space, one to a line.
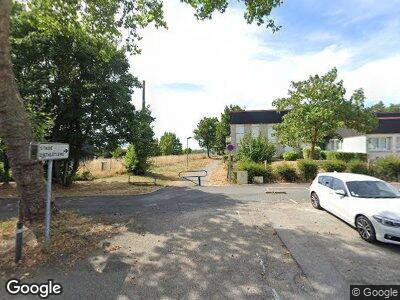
(271,134)
(398,143)
(335,145)
(255,131)
(380,144)
(239,133)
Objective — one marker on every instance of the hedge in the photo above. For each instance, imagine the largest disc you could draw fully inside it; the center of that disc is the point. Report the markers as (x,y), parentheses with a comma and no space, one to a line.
(358,167)
(345,156)
(287,172)
(387,167)
(256,169)
(307,150)
(290,156)
(308,169)
(334,165)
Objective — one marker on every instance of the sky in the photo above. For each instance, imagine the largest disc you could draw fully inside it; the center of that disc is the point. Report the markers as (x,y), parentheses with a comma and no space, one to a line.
(195,68)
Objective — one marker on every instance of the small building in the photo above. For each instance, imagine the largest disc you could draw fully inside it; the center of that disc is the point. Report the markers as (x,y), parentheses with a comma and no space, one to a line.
(256,122)
(382,141)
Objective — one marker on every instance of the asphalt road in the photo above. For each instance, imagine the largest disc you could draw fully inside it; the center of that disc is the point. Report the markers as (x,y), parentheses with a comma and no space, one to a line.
(192,243)
(220,242)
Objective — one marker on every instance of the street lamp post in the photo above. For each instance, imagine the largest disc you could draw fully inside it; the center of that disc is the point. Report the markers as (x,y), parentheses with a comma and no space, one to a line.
(187,152)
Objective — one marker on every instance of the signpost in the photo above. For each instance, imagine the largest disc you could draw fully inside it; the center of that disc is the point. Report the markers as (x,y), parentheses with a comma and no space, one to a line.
(230,148)
(48,152)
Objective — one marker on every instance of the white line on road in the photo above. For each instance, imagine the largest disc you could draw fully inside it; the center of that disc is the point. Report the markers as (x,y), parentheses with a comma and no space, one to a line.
(276,295)
(295,202)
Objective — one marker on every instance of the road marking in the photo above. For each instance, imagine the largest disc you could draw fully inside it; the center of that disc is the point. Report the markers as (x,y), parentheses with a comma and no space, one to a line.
(276,295)
(295,202)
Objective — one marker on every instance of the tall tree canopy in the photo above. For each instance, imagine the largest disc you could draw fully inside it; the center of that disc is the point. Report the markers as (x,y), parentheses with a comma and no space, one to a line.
(381,107)
(318,109)
(170,144)
(223,128)
(205,133)
(100,24)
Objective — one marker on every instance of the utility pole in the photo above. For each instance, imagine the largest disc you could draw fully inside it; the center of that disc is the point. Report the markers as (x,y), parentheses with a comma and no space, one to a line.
(144,95)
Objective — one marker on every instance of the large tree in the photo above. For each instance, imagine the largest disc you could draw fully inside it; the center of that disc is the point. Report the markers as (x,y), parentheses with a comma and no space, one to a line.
(205,133)
(381,107)
(170,144)
(104,19)
(224,128)
(318,108)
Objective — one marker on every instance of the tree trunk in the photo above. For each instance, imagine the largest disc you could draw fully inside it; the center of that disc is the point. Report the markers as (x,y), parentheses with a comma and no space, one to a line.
(16,129)
(313,142)
(208,152)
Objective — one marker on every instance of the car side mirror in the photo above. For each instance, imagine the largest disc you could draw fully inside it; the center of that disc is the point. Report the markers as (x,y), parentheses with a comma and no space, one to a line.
(340,192)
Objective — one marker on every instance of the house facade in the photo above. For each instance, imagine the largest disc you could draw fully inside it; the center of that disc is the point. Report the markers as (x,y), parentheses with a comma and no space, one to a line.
(256,122)
(382,141)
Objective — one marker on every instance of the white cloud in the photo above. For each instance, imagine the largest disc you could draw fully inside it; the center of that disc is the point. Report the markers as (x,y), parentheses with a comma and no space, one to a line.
(229,59)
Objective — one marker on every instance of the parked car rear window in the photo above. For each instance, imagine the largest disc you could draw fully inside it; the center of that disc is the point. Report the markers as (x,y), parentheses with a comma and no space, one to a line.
(371,189)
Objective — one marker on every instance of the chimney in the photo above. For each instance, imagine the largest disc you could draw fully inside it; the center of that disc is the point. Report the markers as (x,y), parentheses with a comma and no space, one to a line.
(144,95)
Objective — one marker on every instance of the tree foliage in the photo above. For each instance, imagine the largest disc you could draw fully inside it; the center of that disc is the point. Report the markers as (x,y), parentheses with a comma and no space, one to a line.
(318,109)
(205,133)
(257,149)
(170,144)
(223,128)
(381,107)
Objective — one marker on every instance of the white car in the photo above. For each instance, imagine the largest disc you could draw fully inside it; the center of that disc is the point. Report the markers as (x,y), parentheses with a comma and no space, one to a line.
(369,204)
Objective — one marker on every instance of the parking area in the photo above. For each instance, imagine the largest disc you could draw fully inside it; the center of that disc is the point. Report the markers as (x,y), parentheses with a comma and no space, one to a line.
(329,251)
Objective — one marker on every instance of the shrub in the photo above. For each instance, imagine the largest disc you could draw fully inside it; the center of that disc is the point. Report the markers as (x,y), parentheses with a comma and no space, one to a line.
(308,169)
(1,172)
(130,159)
(84,176)
(359,167)
(286,172)
(388,167)
(323,154)
(346,156)
(118,152)
(256,149)
(334,165)
(290,156)
(256,169)
(307,150)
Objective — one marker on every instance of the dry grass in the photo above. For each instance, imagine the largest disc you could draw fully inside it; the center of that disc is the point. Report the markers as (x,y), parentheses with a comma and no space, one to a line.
(103,167)
(73,237)
(160,161)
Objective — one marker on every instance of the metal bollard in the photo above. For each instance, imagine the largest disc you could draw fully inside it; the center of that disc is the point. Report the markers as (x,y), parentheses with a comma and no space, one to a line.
(18,241)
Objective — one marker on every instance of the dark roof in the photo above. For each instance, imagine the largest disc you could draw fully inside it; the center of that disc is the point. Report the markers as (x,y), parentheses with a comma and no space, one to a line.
(388,125)
(256,117)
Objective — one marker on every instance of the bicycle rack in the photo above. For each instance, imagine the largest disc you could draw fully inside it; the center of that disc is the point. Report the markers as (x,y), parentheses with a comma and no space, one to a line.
(188,175)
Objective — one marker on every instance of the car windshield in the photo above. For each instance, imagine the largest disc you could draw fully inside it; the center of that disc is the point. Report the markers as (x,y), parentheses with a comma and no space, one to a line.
(371,189)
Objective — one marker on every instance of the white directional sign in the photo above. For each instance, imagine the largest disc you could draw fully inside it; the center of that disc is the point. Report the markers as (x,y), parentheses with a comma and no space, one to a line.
(49,151)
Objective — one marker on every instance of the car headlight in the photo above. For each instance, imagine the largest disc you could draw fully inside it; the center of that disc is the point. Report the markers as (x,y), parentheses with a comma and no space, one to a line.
(387,221)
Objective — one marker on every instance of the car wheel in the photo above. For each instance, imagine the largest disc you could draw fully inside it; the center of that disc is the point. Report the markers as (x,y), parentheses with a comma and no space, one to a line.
(315,201)
(365,229)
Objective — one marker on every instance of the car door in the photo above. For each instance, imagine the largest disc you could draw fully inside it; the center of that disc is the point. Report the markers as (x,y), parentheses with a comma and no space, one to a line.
(339,203)
(324,183)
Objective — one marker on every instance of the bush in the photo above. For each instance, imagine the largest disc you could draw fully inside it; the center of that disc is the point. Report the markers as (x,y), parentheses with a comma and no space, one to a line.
(84,176)
(130,159)
(307,150)
(323,154)
(257,150)
(346,156)
(1,172)
(290,156)
(388,167)
(286,172)
(256,169)
(358,167)
(308,169)
(334,165)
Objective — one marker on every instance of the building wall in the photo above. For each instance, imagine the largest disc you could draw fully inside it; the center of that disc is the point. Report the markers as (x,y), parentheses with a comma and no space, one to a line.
(264,129)
(393,149)
(354,144)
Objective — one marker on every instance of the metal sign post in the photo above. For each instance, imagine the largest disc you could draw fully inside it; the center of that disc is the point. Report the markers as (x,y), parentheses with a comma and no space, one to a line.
(230,148)
(48,152)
